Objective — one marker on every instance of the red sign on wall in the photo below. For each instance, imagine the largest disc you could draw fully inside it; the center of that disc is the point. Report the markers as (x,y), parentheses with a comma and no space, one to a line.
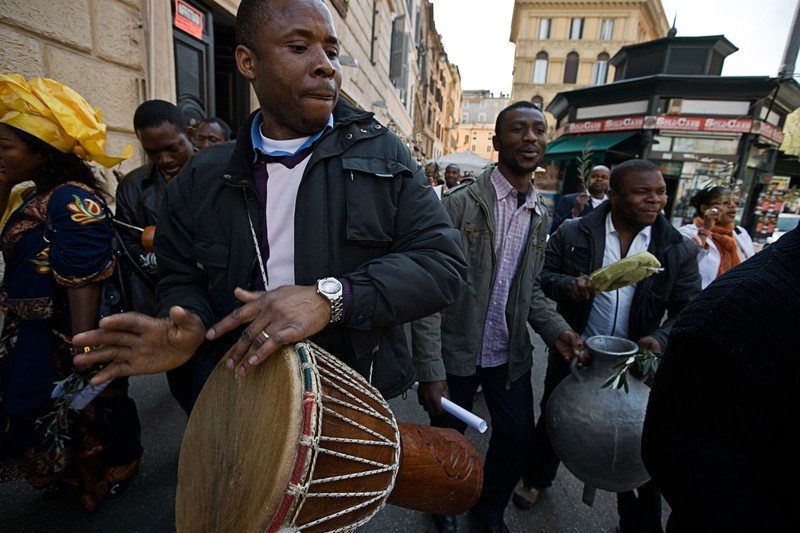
(188,19)
(681,123)
(765,129)
(609,124)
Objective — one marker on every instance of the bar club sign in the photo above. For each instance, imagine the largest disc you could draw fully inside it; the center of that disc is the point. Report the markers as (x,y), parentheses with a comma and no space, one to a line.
(678,123)
(188,19)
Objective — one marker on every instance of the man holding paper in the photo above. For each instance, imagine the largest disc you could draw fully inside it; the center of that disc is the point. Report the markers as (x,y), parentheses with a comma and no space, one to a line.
(629,223)
(483,339)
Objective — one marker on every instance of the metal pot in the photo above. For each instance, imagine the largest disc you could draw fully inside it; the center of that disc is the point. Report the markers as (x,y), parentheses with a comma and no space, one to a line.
(597,432)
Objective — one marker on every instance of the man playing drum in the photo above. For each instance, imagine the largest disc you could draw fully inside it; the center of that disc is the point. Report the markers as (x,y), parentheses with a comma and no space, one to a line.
(317,210)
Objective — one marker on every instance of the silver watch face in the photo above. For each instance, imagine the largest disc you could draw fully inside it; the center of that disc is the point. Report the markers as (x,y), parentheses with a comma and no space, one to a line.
(331,286)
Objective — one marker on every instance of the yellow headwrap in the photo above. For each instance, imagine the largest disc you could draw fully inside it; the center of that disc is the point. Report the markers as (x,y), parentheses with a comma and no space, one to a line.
(56,114)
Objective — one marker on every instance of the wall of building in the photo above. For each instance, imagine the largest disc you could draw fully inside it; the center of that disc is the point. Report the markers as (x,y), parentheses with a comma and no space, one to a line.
(94,46)
(633,21)
(369,82)
(479,109)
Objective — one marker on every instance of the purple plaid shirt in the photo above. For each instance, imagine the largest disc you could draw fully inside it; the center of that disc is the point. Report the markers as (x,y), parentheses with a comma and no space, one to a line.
(511,226)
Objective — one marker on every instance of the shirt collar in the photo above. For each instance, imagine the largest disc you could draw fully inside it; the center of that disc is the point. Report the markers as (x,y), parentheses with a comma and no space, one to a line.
(503,189)
(646,232)
(258,145)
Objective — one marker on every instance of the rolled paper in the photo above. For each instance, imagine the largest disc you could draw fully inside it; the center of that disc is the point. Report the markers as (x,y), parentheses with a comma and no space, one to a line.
(472,420)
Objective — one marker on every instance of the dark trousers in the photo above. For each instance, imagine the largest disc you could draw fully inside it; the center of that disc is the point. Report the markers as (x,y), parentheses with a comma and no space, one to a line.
(512,420)
(640,513)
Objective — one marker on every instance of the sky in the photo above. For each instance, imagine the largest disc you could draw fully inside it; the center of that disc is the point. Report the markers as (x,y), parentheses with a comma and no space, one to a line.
(475,35)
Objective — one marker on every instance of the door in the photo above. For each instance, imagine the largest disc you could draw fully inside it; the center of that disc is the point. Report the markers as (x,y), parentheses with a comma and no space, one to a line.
(194,60)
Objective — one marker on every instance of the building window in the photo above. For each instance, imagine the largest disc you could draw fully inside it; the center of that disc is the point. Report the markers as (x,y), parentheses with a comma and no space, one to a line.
(465,104)
(466,139)
(464,118)
(474,135)
(481,117)
(483,104)
(540,68)
(571,68)
(490,135)
(576,29)
(538,101)
(472,148)
(600,70)
(489,149)
(607,30)
(544,28)
(398,59)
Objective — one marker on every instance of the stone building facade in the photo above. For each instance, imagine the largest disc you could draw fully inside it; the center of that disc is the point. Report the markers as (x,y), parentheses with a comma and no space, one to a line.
(119,53)
(566,44)
(437,91)
(479,109)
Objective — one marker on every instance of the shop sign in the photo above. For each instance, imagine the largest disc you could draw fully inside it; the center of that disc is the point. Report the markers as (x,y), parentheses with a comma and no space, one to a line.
(765,129)
(681,123)
(188,19)
(609,124)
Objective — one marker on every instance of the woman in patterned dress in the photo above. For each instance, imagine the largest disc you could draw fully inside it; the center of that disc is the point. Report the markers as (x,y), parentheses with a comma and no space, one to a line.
(57,250)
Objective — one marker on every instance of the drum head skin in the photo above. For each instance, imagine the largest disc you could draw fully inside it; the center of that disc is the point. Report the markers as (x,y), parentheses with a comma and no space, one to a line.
(240,447)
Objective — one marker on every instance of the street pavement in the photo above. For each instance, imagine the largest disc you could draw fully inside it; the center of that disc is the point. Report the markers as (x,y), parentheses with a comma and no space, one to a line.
(148,504)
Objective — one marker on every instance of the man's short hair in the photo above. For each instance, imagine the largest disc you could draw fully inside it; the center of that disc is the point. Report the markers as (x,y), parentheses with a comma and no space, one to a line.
(153,113)
(627,168)
(226,130)
(522,104)
(251,17)
(453,165)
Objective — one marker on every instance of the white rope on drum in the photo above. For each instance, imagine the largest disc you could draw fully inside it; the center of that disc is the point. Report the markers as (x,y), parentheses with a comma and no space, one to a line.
(343,380)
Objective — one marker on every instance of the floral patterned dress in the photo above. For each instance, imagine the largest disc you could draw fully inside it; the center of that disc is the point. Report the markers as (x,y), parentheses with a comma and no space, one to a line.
(57,240)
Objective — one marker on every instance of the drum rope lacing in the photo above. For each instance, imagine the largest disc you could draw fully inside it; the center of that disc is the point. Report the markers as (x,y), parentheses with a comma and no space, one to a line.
(337,377)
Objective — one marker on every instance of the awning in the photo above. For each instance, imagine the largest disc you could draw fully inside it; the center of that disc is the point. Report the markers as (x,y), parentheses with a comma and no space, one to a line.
(573,145)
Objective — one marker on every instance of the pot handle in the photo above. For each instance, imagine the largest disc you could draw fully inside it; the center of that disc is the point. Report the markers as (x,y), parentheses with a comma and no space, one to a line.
(573,368)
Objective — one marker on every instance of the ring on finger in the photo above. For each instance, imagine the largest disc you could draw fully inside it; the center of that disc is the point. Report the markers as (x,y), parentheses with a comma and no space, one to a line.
(265,334)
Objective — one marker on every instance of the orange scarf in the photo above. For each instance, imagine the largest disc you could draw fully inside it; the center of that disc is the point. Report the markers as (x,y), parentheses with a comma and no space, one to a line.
(726,245)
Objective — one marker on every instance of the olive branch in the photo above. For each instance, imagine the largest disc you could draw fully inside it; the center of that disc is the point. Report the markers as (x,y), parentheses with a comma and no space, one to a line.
(646,363)
(57,420)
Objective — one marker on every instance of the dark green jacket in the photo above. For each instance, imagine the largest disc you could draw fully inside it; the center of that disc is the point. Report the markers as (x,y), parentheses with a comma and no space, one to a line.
(363,212)
(471,209)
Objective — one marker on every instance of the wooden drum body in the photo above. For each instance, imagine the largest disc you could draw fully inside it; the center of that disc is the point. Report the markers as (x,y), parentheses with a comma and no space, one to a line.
(305,443)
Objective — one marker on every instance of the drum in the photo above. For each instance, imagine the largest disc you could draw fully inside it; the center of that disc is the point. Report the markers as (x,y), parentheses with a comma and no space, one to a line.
(306,443)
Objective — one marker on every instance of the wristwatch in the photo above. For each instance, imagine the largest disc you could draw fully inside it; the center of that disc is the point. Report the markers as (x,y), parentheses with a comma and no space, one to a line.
(331,288)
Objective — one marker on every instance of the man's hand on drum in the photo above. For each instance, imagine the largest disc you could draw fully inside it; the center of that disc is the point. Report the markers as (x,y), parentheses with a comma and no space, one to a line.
(288,314)
(430,394)
(132,344)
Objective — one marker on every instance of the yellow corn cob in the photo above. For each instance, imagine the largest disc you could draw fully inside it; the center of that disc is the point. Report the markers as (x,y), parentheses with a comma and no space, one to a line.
(624,272)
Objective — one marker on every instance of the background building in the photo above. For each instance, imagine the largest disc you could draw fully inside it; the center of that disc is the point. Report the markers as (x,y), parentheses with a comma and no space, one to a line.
(670,104)
(479,111)
(566,44)
(119,53)
(438,91)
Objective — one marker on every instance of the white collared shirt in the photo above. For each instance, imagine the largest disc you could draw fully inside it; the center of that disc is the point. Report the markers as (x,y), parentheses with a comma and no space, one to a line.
(596,202)
(282,187)
(610,313)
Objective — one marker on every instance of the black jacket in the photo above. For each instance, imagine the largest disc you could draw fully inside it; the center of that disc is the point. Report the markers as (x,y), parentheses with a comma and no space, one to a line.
(564,211)
(139,198)
(721,433)
(578,247)
(363,212)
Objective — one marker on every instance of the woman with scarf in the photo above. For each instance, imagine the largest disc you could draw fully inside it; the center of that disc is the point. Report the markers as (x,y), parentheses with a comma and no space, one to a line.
(723,245)
(57,249)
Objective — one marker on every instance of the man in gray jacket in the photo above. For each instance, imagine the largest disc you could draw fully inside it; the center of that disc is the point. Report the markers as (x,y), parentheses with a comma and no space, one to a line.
(484,337)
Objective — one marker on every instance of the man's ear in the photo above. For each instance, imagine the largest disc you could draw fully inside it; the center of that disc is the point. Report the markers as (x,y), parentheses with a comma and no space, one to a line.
(246,62)
(494,144)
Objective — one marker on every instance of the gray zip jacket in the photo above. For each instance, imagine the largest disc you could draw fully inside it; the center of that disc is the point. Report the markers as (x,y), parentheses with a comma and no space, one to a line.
(455,349)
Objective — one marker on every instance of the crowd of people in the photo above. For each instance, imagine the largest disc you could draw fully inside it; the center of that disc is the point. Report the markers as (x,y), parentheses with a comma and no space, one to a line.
(316,223)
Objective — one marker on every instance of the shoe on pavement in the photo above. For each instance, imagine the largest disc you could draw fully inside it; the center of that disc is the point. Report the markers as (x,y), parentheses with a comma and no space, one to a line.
(524,496)
(445,523)
(486,528)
